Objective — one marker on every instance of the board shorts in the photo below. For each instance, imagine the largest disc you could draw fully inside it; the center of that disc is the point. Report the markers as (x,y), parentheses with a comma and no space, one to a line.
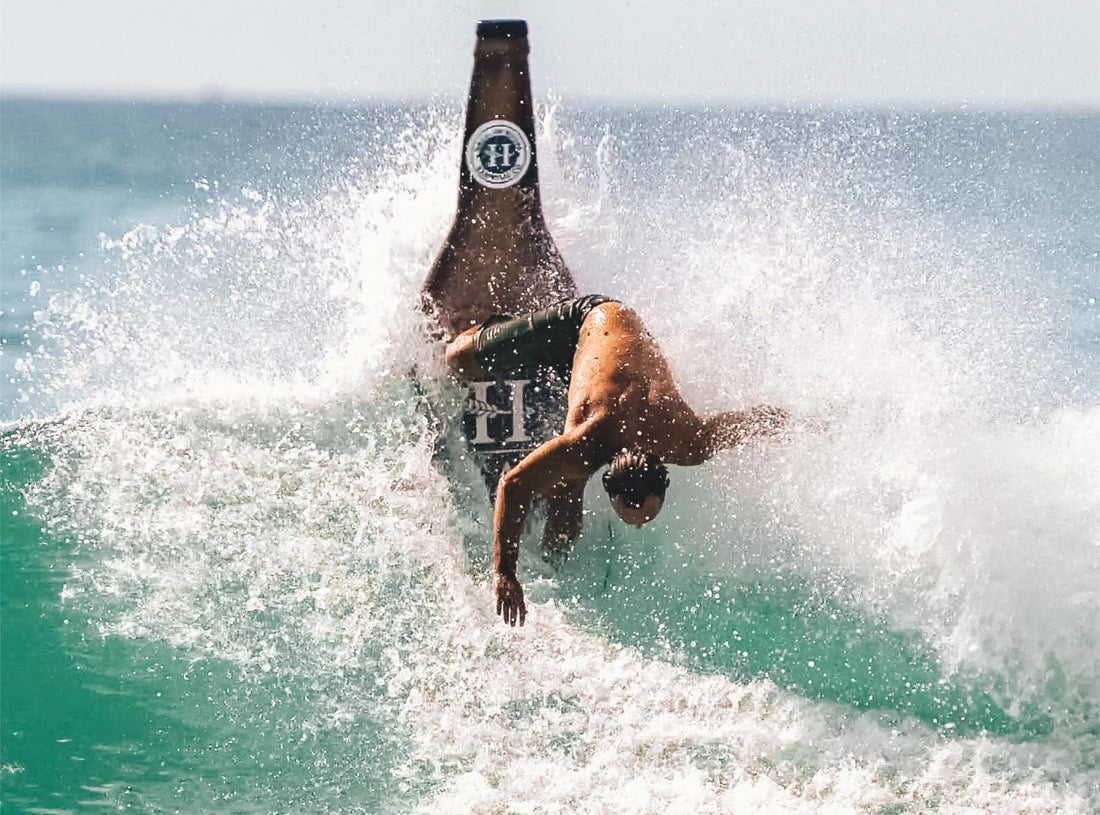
(509,347)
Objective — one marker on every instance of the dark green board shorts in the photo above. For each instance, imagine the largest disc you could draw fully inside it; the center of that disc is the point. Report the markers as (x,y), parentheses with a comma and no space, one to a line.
(508,347)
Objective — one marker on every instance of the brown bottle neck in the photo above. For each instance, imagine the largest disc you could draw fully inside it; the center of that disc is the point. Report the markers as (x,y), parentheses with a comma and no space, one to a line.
(499,256)
(500,90)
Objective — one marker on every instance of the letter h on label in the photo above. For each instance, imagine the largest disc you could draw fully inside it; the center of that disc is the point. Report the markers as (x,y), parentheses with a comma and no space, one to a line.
(483,410)
(499,155)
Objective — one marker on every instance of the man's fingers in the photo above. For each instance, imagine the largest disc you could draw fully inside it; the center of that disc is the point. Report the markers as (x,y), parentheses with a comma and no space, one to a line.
(510,605)
(512,612)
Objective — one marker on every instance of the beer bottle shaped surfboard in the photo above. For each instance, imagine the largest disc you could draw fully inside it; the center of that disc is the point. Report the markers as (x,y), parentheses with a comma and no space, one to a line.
(499,257)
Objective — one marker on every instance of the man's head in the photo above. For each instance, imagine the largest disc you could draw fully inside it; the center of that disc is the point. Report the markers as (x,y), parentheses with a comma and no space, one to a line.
(636,482)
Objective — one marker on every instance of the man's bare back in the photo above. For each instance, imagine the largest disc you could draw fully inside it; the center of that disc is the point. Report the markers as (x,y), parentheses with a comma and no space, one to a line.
(623,409)
(622,384)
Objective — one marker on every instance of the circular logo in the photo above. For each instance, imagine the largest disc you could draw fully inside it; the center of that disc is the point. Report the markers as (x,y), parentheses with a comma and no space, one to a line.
(498,154)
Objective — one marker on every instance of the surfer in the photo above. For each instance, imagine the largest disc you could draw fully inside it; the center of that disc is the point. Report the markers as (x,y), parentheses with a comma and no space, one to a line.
(623,410)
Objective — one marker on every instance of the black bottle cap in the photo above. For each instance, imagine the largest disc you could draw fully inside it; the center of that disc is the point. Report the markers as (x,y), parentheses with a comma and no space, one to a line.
(501,29)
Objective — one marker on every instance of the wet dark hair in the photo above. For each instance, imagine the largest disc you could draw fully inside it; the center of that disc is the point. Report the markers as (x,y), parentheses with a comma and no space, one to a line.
(634,475)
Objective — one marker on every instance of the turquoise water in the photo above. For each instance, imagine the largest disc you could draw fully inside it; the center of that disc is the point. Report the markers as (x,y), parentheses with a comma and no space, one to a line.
(245,563)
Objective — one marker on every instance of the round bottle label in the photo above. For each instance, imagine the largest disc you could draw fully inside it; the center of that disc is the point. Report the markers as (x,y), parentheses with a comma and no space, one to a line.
(498,154)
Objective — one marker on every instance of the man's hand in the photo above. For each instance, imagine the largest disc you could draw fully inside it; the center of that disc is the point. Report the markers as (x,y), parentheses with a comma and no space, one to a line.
(764,420)
(510,604)
(555,551)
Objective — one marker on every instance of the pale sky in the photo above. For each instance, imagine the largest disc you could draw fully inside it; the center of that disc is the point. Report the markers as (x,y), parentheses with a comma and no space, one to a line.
(897,53)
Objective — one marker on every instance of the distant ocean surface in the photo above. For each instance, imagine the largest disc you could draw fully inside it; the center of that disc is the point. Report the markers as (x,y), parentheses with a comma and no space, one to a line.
(244,571)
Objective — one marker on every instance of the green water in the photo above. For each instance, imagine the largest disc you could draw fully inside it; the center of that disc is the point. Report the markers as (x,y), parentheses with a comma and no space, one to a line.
(99,723)
(811,638)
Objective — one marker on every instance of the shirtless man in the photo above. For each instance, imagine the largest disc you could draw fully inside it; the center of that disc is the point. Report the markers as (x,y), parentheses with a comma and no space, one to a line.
(623,410)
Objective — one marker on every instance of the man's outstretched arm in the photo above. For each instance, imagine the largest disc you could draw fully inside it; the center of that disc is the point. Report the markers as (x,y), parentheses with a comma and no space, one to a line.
(722,431)
(562,459)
